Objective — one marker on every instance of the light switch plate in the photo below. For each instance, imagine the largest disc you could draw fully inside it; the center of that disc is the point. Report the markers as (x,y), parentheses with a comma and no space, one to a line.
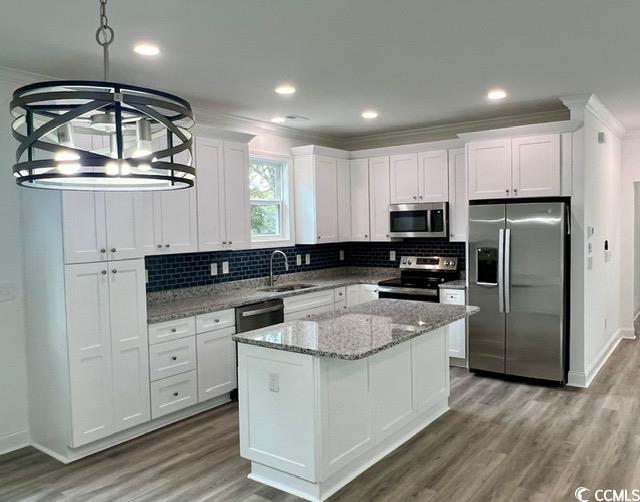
(298,260)
(341,255)
(214,269)
(225,267)
(307,259)
(392,256)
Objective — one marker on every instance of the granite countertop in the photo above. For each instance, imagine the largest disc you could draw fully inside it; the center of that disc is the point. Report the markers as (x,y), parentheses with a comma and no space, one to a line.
(459,284)
(188,302)
(360,331)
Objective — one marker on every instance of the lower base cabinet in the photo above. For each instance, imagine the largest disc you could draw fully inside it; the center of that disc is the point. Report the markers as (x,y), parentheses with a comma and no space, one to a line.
(173,393)
(216,363)
(457,331)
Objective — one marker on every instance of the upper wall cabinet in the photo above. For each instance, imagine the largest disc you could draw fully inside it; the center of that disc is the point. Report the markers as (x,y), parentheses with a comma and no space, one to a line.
(515,167)
(419,177)
(458,201)
(359,199)
(379,182)
(322,196)
(223,199)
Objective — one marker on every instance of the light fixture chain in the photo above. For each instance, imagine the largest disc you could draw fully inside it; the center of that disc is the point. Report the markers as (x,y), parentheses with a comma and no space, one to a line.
(104,36)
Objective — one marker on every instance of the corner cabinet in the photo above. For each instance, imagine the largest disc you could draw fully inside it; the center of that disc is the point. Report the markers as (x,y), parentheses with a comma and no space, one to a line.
(515,167)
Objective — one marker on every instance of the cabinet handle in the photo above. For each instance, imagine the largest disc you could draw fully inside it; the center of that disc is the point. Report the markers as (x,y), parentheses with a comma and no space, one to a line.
(176,394)
(216,320)
(419,196)
(103,250)
(230,242)
(507,190)
(114,271)
(173,358)
(387,235)
(515,191)
(159,246)
(103,272)
(224,242)
(167,245)
(319,237)
(414,197)
(113,250)
(366,236)
(173,330)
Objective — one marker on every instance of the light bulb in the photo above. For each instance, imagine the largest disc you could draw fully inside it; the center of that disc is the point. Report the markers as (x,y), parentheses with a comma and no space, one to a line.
(111,168)
(67,164)
(144,167)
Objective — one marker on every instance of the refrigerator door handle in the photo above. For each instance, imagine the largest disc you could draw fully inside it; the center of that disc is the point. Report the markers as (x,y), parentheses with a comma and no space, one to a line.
(501,270)
(507,271)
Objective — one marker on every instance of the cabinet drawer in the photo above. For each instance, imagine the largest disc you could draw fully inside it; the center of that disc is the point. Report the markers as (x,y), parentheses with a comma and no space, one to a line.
(171,330)
(215,320)
(308,301)
(340,294)
(173,357)
(173,393)
(452,296)
(307,313)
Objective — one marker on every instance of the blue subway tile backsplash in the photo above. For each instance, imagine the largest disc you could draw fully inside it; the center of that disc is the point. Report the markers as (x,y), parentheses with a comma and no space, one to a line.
(194,269)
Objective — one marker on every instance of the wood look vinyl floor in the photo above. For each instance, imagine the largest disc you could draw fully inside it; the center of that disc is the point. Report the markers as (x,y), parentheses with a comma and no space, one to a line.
(501,441)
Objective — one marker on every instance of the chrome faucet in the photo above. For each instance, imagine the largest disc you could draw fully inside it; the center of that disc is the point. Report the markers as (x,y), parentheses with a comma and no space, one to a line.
(286,266)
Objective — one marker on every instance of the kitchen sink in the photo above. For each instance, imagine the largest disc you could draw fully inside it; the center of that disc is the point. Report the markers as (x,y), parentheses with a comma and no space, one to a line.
(289,287)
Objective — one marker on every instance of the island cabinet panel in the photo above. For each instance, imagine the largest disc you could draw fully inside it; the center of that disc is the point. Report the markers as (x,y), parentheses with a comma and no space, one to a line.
(390,378)
(430,370)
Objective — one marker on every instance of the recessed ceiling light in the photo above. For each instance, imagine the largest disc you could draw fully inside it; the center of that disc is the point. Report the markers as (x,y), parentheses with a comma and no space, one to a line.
(146,49)
(369,114)
(279,119)
(497,94)
(285,89)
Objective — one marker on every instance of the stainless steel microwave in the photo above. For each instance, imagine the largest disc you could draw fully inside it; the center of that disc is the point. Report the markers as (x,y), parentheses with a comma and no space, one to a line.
(419,220)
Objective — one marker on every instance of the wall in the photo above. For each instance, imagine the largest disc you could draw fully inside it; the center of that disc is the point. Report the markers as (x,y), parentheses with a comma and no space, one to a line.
(13,390)
(186,270)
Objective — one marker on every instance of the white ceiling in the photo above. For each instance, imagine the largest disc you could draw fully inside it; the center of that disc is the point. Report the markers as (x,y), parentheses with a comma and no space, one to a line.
(419,62)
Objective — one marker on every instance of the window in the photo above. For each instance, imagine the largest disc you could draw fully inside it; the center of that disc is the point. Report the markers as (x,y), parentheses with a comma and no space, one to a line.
(268,193)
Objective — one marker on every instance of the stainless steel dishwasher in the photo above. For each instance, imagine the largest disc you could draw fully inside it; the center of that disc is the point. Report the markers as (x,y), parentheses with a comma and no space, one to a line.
(259,315)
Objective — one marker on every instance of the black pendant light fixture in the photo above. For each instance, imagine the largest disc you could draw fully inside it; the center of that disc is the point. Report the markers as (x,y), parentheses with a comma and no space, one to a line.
(101,135)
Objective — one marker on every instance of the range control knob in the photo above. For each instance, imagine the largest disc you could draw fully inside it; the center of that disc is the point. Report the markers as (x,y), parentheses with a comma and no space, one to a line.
(409,262)
(404,262)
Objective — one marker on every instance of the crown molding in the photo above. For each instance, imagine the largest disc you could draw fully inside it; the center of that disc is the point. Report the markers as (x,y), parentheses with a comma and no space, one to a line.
(449,131)
(320,150)
(409,148)
(523,130)
(578,103)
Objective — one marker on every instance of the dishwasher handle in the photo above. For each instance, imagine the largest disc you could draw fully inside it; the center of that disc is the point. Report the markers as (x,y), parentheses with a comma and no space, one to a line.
(265,310)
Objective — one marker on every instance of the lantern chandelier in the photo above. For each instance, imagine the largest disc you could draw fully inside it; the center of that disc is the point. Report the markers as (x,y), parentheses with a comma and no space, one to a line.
(101,135)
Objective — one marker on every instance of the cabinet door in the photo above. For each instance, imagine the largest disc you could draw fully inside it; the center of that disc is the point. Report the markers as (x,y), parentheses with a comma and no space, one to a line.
(125,219)
(404,176)
(216,363)
(326,183)
(379,198)
(456,331)
(458,201)
(489,169)
(433,176)
(236,183)
(360,200)
(368,293)
(210,191)
(87,300)
(150,215)
(536,166)
(353,295)
(344,200)
(84,227)
(129,345)
(178,220)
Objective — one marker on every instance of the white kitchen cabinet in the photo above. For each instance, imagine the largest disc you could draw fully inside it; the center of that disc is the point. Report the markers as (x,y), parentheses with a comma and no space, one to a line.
(108,360)
(433,176)
(209,160)
(172,358)
(316,197)
(129,346)
(457,331)
(527,166)
(361,293)
(344,200)
(489,169)
(379,179)
(536,166)
(173,393)
(458,201)
(359,199)
(236,185)
(403,170)
(216,363)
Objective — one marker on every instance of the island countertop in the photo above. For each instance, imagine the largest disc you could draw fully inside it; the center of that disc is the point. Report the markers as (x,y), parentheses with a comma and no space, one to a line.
(359,331)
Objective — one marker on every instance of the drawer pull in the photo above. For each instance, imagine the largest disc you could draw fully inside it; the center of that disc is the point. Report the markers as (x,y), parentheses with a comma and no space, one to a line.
(176,394)
(217,320)
(173,358)
(173,330)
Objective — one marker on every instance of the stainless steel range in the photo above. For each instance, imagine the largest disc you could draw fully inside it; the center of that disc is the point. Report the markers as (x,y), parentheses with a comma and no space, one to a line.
(419,278)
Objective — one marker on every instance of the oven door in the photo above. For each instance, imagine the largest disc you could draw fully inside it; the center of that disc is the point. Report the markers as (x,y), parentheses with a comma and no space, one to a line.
(418,220)
(399,293)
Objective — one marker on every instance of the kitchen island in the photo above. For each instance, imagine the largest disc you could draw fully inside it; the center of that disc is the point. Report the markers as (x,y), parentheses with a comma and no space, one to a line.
(322,400)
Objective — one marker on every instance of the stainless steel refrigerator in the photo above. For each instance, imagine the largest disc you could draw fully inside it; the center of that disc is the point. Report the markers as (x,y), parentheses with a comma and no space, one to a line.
(518,276)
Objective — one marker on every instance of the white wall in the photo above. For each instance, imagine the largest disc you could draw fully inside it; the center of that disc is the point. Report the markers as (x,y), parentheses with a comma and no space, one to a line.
(13,389)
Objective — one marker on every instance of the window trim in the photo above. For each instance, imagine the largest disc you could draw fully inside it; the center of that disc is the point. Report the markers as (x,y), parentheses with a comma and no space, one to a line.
(287,237)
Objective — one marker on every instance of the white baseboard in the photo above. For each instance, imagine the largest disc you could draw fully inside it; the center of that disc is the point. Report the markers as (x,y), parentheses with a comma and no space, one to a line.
(14,441)
(584,379)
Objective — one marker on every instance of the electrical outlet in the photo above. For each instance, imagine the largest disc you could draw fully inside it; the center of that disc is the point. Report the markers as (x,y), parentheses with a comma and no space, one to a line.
(341,255)
(274,382)
(146,276)
(307,259)
(392,256)
(298,260)
(589,262)
(605,323)
(225,267)
(214,269)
